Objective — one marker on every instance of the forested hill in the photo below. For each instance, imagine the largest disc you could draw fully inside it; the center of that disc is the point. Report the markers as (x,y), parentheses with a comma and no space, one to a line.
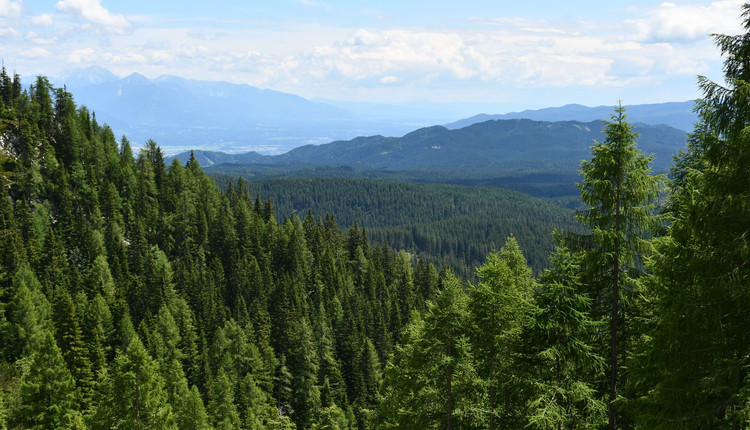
(496,147)
(138,295)
(449,225)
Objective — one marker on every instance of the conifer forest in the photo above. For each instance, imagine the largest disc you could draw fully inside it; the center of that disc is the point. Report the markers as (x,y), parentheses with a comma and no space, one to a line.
(138,294)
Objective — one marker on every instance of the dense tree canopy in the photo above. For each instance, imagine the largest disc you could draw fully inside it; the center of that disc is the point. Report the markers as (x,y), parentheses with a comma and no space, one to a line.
(139,295)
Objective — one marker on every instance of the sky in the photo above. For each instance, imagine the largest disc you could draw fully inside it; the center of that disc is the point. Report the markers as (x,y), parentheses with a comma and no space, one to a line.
(508,54)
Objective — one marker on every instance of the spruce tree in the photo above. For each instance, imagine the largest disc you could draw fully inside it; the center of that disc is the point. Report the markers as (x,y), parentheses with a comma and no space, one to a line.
(221,405)
(501,306)
(693,367)
(620,195)
(191,414)
(48,392)
(131,395)
(431,381)
(559,343)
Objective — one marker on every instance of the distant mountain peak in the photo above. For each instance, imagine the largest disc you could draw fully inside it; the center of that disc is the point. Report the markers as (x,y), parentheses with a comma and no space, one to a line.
(91,75)
(136,77)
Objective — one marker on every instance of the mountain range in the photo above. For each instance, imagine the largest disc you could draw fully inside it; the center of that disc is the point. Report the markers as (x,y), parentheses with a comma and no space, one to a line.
(679,115)
(181,114)
(488,147)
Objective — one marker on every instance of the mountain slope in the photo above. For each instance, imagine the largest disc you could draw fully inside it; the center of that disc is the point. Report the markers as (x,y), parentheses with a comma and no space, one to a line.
(679,115)
(182,113)
(448,225)
(489,147)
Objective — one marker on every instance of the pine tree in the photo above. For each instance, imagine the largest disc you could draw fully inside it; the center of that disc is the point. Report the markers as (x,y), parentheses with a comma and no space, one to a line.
(303,365)
(559,340)
(432,382)
(501,306)
(620,195)
(221,406)
(283,389)
(48,394)
(75,351)
(693,367)
(132,393)
(191,414)
(27,315)
(372,378)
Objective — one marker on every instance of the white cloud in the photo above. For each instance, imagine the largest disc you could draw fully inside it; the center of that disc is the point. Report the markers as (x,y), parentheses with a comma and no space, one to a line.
(128,58)
(93,11)
(10,8)
(8,31)
(81,55)
(671,22)
(44,20)
(390,79)
(35,52)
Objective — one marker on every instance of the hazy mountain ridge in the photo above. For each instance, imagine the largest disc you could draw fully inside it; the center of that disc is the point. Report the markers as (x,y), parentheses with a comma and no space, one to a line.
(496,145)
(183,113)
(679,115)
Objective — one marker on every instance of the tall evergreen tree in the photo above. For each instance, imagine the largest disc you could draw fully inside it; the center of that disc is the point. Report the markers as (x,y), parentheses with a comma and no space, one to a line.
(192,414)
(221,406)
(304,367)
(559,343)
(48,394)
(693,367)
(432,382)
(620,195)
(132,393)
(501,306)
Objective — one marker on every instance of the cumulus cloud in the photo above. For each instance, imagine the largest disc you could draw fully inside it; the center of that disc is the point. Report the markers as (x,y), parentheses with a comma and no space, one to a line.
(35,52)
(671,22)
(10,8)
(440,58)
(8,31)
(81,55)
(44,20)
(94,12)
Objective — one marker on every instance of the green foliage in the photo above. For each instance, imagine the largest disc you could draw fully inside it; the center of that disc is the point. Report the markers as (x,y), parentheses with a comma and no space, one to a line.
(448,225)
(192,306)
(501,306)
(221,404)
(48,396)
(192,414)
(197,308)
(131,394)
(693,361)
(560,343)
(432,382)
(620,195)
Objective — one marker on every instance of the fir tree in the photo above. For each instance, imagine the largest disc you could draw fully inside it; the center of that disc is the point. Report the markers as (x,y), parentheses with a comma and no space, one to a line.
(692,369)
(432,381)
(566,362)
(620,195)
(221,406)
(501,306)
(48,394)
(191,414)
(132,393)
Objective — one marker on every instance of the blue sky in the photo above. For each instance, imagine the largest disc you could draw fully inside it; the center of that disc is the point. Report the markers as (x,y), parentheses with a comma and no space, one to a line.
(507,55)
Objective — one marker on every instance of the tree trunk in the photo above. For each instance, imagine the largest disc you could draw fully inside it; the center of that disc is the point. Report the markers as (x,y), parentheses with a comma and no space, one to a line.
(614,326)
